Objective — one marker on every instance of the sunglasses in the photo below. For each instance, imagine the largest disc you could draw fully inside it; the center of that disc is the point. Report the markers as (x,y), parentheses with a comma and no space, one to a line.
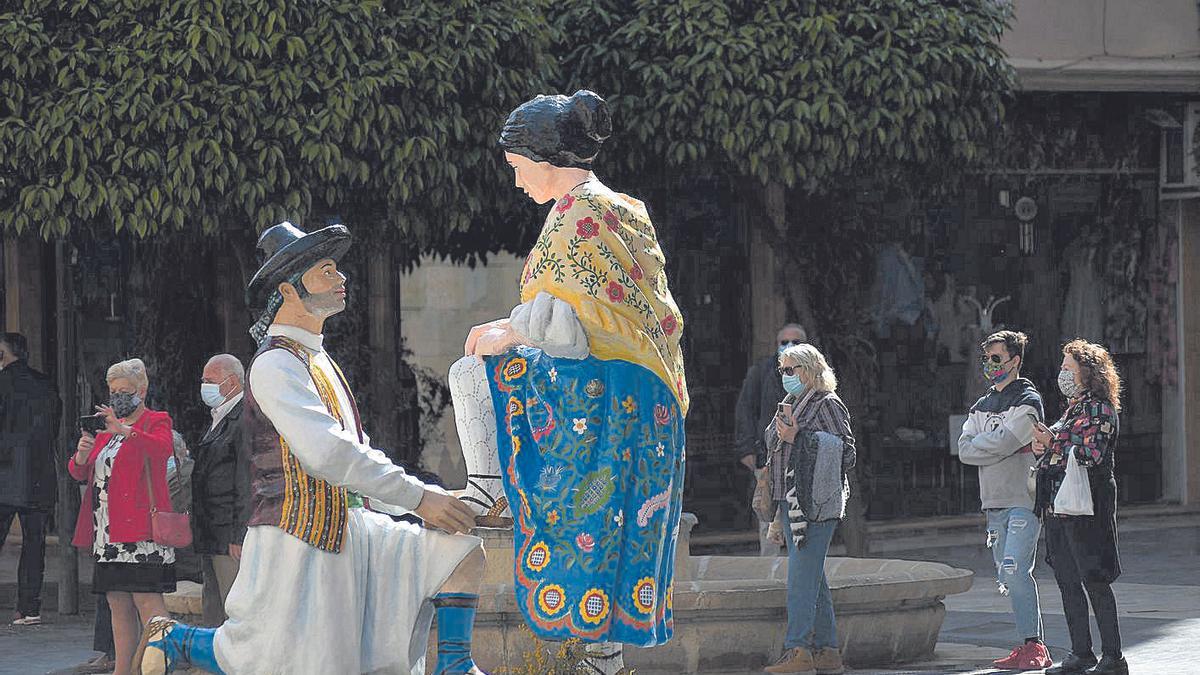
(995,358)
(790,343)
(787,370)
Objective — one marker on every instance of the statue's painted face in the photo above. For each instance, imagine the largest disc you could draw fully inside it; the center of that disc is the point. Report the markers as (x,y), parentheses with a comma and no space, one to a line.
(532,177)
(326,288)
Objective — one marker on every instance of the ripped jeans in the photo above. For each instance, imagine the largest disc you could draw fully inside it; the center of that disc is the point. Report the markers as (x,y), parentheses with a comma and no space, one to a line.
(1012,534)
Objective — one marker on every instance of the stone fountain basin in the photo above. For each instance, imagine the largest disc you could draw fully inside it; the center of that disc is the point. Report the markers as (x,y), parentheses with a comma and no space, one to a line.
(730,611)
(731,615)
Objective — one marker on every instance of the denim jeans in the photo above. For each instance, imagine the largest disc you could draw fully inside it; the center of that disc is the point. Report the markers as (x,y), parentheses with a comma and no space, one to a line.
(1012,534)
(809,605)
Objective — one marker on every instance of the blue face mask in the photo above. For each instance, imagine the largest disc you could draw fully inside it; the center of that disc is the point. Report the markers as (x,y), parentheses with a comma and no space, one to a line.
(793,385)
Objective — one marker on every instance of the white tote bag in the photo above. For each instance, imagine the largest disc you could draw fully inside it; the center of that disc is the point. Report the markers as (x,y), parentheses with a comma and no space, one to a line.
(1074,496)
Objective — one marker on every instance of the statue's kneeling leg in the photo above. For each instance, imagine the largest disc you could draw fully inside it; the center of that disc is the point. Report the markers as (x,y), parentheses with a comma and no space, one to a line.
(476,422)
(603,658)
(167,645)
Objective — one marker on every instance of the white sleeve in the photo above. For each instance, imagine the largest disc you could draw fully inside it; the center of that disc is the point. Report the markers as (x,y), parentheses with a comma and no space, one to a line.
(551,325)
(287,396)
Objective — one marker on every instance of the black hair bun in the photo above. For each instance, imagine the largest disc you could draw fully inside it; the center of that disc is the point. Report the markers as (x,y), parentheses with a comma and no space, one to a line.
(592,115)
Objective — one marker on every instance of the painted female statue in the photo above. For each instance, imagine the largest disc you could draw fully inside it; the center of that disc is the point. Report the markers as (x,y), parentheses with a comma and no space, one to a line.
(572,408)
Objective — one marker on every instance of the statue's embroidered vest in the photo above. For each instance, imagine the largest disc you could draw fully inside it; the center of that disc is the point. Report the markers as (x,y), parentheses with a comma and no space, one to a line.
(284,495)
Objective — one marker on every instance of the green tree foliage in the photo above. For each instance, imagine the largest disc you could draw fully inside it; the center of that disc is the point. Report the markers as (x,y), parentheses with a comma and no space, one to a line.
(211,115)
(800,92)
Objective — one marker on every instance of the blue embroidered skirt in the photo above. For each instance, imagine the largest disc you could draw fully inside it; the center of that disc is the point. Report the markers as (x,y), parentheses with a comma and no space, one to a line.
(592,454)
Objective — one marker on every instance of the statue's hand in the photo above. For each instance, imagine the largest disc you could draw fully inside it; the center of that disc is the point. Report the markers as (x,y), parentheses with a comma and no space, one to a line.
(470,348)
(445,513)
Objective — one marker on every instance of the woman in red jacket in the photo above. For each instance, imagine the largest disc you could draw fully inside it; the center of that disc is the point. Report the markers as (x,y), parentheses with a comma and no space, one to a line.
(114,517)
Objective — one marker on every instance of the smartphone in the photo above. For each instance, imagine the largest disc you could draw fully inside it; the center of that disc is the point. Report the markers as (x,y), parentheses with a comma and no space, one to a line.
(785,409)
(92,424)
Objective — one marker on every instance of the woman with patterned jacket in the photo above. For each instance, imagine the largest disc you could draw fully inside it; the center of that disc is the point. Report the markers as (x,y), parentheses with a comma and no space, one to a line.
(1083,549)
(574,415)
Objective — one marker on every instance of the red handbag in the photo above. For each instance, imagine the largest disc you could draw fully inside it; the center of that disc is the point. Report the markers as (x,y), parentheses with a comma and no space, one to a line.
(167,528)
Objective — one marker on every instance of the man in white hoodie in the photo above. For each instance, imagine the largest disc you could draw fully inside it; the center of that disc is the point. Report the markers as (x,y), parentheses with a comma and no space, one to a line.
(997,438)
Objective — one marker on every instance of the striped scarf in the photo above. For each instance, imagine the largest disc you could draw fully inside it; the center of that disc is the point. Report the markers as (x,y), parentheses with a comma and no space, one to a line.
(811,413)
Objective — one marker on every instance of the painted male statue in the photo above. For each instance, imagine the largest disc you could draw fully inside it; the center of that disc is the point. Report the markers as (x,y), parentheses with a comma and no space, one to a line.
(571,410)
(326,585)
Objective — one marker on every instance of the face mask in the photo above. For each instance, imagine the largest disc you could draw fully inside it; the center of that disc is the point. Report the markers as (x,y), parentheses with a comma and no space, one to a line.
(124,404)
(1067,385)
(171,464)
(211,394)
(792,384)
(996,372)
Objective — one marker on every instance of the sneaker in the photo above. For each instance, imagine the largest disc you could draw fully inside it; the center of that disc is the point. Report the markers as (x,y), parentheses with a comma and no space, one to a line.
(1035,657)
(28,620)
(1029,656)
(828,661)
(1110,665)
(795,661)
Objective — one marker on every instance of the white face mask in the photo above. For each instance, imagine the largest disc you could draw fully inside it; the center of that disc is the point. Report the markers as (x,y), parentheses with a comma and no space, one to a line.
(211,394)
(1067,384)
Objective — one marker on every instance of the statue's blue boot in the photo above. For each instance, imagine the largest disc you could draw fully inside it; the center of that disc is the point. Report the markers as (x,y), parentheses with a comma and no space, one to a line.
(455,621)
(167,645)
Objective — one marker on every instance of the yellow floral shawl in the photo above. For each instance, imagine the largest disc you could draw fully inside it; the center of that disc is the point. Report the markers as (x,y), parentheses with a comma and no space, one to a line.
(598,252)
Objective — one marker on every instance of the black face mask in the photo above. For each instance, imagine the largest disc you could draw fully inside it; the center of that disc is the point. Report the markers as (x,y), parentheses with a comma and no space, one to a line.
(124,404)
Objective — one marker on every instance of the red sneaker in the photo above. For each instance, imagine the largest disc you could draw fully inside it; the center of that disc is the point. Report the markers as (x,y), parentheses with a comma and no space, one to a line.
(1035,657)
(1029,656)
(1011,661)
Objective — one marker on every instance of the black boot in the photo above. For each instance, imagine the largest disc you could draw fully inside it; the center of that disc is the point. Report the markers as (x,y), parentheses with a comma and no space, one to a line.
(1110,665)
(1073,665)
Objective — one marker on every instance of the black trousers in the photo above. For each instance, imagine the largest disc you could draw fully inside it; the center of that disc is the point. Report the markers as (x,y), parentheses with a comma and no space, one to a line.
(32,566)
(1084,565)
(102,637)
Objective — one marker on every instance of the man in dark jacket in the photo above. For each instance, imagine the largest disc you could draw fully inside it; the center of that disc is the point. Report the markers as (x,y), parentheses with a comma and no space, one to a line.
(762,390)
(220,484)
(29,416)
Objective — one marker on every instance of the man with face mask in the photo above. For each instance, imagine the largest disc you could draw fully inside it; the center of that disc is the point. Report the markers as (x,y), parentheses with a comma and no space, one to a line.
(327,583)
(997,437)
(29,410)
(220,484)
(760,395)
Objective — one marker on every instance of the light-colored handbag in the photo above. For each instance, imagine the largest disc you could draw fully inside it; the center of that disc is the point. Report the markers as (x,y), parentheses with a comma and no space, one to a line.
(1074,496)
(764,506)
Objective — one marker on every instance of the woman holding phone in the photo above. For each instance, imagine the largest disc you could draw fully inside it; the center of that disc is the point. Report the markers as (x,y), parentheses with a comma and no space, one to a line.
(123,465)
(1083,549)
(810,450)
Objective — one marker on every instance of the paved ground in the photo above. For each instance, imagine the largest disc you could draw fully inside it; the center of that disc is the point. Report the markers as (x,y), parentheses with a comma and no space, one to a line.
(1158,595)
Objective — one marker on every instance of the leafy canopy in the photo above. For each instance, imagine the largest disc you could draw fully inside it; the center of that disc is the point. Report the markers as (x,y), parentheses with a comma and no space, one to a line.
(205,115)
(801,92)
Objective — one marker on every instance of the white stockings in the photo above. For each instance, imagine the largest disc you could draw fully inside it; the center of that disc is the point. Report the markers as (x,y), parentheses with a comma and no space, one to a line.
(476,422)
(604,658)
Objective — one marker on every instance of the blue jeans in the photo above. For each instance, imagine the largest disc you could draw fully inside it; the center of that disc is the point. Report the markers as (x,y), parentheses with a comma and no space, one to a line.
(1012,534)
(809,605)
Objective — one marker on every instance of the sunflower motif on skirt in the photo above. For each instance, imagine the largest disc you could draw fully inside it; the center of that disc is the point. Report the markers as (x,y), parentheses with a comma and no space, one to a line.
(643,595)
(539,557)
(551,599)
(514,369)
(594,606)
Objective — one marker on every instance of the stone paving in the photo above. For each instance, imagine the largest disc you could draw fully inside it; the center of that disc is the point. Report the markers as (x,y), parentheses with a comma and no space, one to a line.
(1158,595)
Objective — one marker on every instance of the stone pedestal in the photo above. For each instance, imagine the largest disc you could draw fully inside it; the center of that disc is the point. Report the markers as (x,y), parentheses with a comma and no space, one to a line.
(730,612)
